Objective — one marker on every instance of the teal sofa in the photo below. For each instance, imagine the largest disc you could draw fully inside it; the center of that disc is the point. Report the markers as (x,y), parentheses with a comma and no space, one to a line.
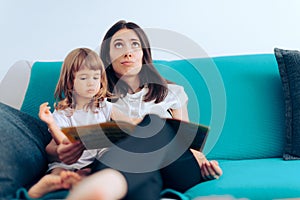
(240,97)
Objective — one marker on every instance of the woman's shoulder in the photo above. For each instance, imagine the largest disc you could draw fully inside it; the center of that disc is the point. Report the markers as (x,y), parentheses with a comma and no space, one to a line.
(175,88)
(177,94)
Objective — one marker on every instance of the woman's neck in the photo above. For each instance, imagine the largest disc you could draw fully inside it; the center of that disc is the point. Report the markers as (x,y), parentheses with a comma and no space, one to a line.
(133,83)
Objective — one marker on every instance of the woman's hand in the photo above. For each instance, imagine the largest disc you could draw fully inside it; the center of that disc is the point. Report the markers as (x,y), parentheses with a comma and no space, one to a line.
(66,151)
(209,169)
(69,152)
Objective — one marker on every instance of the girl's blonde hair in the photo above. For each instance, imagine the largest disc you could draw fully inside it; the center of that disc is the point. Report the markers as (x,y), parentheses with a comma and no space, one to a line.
(79,59)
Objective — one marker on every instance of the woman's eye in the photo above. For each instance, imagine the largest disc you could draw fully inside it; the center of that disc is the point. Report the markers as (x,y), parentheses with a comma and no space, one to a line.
(136,44)
(118,45)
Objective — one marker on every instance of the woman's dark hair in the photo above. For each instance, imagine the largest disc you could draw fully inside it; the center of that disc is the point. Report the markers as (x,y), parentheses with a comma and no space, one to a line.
(148,75)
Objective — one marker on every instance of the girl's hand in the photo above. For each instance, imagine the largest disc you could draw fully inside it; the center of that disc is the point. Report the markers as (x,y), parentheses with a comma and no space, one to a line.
(69,152)
(45,113)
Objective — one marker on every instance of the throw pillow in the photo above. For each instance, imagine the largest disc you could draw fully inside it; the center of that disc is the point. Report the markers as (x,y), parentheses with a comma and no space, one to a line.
(289,69)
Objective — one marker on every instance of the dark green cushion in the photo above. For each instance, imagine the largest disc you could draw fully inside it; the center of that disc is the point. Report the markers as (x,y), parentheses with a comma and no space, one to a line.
(289,67)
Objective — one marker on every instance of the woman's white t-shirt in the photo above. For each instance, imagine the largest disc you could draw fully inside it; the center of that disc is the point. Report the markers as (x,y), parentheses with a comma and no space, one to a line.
(81,118)
(134,106)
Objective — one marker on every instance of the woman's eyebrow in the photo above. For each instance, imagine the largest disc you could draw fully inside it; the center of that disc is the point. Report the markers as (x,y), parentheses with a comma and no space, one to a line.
(119,39)
(116,40)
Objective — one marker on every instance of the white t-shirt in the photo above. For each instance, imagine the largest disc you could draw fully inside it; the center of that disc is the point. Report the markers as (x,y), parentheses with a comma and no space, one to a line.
(134,106)
(81,118)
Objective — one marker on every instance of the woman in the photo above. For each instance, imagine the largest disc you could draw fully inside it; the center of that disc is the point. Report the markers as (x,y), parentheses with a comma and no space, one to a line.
(126,53)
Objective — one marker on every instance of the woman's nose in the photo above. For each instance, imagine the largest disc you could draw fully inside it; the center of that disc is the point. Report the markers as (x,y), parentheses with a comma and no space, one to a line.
(128,51)
(128,54)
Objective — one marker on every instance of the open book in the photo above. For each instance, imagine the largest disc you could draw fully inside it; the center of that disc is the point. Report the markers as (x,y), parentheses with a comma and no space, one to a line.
(105,134)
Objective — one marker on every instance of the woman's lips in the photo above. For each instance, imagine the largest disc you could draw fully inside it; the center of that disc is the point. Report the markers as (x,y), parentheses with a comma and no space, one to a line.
(127,62)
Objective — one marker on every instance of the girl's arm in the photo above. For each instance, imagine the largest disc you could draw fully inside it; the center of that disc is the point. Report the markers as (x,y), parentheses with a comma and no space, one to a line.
(59,148)
(46,116)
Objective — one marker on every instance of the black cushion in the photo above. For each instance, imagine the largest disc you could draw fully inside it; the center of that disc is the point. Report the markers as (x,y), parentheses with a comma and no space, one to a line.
(289,69)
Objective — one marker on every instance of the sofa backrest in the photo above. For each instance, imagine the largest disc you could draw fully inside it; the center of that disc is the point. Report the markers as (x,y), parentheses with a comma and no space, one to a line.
(239,97)
(255,121)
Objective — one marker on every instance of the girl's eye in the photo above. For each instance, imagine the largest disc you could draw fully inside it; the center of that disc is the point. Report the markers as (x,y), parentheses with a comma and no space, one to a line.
(82,78)
(96,77)
(118,45)
(136,44)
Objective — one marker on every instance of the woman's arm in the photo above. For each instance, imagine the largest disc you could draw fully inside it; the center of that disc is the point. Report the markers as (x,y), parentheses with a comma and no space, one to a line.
(118,115)
(51,150)
(66,151)
(181,113)
(209,169)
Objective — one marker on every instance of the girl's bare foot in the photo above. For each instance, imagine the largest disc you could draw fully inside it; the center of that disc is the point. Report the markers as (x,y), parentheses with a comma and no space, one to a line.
(69,178)
(48,183)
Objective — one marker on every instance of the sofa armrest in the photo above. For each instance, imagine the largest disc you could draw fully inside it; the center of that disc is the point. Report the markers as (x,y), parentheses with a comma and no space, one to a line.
(14,84)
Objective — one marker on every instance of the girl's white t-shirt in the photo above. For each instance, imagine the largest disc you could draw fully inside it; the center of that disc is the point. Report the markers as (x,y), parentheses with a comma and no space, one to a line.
(134,106)
(81,118)
(131,105)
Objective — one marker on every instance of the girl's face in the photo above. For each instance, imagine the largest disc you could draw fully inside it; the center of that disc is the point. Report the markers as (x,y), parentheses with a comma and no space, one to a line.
(126,53)
(87,84)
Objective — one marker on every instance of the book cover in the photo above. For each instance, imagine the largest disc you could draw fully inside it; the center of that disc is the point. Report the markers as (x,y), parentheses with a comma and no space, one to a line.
(103,135)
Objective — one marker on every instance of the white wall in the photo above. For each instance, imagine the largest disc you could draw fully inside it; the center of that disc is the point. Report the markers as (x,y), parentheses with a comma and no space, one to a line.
(49,29)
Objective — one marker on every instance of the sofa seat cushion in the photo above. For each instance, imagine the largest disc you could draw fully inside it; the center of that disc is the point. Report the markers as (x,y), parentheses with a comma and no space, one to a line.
(271,178)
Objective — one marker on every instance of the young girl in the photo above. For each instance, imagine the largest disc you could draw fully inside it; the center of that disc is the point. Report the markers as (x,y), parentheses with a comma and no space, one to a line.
(81,94)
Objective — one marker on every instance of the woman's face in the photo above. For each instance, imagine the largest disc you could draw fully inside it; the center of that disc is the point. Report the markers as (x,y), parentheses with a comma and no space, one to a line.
(126,53)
